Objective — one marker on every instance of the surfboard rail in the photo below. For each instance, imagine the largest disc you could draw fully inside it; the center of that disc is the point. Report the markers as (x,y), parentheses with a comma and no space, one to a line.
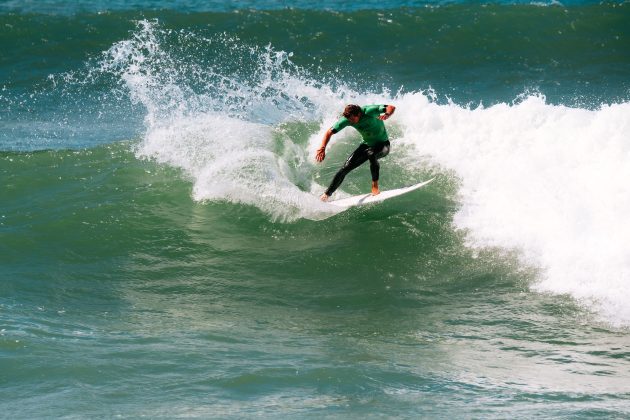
(363,199)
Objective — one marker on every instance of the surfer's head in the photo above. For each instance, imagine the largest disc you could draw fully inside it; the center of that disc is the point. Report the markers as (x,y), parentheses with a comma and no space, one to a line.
(353,113)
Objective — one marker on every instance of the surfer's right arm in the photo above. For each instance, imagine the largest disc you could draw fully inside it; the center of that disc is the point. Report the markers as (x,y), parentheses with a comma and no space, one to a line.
(321,152)
(336,127)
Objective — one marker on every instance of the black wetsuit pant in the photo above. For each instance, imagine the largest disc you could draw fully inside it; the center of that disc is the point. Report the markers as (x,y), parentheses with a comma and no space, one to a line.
(358,158)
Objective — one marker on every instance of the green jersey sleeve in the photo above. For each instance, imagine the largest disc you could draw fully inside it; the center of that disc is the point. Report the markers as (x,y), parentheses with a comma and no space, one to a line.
(340,125)
(374,110)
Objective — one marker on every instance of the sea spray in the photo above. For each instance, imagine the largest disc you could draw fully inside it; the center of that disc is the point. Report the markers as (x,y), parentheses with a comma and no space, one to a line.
(217,127)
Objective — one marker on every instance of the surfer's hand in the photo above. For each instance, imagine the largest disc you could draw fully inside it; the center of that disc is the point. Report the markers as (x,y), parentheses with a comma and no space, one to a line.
(320,154)
(384,116)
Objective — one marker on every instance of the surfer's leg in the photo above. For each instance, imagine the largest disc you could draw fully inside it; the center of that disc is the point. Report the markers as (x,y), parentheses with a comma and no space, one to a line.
(356,159)
(374,154)
(374,169)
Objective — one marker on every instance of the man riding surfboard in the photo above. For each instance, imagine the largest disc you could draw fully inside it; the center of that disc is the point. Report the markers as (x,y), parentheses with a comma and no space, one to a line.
(368,121)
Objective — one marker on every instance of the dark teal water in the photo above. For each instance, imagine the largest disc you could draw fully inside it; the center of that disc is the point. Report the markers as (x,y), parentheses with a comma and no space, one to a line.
(163,252)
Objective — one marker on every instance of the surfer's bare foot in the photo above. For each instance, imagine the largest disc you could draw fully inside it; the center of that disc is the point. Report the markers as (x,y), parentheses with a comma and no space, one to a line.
(324,197)
(375,190)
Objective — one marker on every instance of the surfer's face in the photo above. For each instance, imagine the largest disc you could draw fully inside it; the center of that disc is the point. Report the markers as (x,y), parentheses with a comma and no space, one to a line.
(354,119)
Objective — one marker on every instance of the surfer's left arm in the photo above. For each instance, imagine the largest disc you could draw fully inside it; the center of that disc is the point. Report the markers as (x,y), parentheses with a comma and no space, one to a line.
(389,110)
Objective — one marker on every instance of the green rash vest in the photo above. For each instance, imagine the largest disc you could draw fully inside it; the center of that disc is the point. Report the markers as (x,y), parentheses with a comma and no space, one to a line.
(369,126)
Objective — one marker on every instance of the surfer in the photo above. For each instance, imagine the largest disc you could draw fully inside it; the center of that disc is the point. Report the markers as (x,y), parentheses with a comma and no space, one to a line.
(368,121)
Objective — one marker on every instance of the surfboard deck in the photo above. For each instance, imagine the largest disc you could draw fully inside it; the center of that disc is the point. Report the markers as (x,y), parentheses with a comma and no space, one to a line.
(363,199)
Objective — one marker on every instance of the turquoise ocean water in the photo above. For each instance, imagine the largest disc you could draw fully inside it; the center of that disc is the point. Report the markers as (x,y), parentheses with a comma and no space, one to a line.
(163,252)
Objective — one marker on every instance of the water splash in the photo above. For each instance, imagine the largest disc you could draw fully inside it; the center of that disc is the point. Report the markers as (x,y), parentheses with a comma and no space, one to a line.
(218,120)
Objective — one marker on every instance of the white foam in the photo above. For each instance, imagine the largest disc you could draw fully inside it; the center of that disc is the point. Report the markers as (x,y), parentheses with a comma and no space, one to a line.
(232,160)
(550,181)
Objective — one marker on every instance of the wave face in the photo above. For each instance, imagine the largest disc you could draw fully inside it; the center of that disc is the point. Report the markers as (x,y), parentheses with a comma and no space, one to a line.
(161,233)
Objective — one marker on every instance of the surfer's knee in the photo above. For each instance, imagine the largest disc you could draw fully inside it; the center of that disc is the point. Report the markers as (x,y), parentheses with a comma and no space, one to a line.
(345,169)
(383,152)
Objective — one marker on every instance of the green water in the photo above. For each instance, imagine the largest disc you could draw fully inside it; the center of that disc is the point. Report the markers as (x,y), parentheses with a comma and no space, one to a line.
(150,304)
(163,253)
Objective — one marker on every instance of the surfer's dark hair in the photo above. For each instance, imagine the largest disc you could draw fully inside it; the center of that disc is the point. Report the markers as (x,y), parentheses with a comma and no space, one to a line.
(351,110)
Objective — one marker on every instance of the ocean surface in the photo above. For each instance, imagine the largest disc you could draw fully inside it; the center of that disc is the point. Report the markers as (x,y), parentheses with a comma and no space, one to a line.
(163,253)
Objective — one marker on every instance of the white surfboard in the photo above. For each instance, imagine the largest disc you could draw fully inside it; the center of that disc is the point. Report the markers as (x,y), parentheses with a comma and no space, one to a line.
(359,200)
